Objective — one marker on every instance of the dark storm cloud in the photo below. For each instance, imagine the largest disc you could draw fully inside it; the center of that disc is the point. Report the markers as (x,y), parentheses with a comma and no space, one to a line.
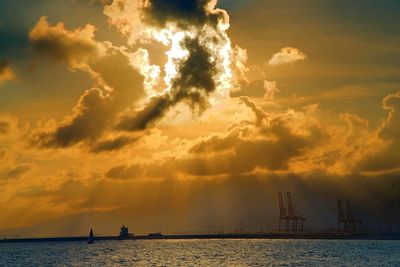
(193,86)
(196,73)
(184,12)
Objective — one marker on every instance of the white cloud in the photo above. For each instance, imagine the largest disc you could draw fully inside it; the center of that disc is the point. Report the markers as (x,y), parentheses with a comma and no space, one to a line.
(287,55)
(270,90)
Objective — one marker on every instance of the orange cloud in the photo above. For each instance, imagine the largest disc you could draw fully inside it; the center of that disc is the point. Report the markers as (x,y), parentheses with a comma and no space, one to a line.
(117,86)
(386,157)
(76,47)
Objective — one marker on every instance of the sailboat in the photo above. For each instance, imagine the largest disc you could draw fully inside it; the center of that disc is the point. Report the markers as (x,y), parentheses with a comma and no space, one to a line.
(91,237)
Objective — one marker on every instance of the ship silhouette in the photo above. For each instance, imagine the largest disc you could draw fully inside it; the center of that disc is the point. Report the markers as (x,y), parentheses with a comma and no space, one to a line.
(91,237)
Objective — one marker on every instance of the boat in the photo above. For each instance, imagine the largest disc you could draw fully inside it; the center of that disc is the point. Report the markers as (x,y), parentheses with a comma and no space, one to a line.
(91,237)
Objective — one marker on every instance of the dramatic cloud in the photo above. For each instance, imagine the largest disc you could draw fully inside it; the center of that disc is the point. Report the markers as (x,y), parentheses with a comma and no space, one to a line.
(291,141)
(85,124)
(118,85)
(266,142)
(199,63)
(138,19)
(169,123)
(242,150)
(185,13)
(287,55)
(200,54)
(387,157)
(76,48)
(6,72)
(193,86)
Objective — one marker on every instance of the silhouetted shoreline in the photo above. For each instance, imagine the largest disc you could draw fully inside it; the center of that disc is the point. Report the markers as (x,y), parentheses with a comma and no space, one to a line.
(305,236)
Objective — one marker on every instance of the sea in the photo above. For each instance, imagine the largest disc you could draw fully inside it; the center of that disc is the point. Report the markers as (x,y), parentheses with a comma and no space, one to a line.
(203,253)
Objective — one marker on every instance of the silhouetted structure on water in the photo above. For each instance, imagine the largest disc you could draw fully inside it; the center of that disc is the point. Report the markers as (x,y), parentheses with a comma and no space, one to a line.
(292,222)
(346,222)
(91,237)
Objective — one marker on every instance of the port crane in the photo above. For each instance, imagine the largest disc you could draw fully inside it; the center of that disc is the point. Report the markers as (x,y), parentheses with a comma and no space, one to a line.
(292,222)
(346,222)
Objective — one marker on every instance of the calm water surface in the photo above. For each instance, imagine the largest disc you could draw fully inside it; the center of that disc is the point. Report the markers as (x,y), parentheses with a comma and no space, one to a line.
(204,253)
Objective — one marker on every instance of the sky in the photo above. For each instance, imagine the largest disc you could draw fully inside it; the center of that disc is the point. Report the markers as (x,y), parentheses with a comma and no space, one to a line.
(174,116)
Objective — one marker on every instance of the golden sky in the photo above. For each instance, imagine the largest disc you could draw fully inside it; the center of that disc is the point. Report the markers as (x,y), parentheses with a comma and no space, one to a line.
(173,115)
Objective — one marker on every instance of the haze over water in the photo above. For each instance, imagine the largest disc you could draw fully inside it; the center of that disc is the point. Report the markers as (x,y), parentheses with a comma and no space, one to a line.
(204,253)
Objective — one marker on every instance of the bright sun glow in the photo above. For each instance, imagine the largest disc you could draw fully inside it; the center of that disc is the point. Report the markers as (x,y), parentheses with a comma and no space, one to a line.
(215,40)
